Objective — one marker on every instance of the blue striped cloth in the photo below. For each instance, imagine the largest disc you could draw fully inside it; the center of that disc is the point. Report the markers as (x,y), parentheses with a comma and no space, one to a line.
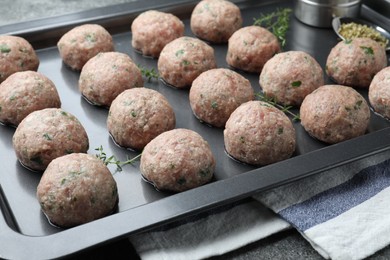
(344,213)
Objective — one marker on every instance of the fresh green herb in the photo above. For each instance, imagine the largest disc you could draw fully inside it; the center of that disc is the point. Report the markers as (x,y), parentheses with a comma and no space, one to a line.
(277,22)
(148,73)
(4,48)
(296,84)
(47,137)
(273,102)
(113,160)
(179,53)
(133,113)
(214,104)
(90,37)
(186,62)
(367,50)
(347,41)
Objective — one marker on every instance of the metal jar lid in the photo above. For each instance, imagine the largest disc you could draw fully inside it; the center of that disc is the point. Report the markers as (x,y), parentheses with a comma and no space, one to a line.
(320,13)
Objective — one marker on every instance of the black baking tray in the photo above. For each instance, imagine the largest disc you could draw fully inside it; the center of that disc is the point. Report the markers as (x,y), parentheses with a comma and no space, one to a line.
(25,233)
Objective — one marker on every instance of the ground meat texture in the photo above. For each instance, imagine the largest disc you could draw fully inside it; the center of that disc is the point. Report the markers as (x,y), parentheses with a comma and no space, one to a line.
(177,160)
(184,59)
(289,76)
(82,43)
(379,92)
(137,116)
(215,20)
(47,134)
(249,48)
(25,92)
(259,134)
(334,113)
(107,75)
(16,54)
(355,62)
(152,30)
(76,189)
(216,93)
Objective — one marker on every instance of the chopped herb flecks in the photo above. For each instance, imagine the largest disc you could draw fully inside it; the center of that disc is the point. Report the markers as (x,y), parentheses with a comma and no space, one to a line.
(367,50)
(4,48)
(296,84)
(47,137)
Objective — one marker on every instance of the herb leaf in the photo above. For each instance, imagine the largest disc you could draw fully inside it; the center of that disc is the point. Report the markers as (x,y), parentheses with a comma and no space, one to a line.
(113,160)
(4,48)
(296,84)
(277,22)
(148,73)
(367,50)
(273,102)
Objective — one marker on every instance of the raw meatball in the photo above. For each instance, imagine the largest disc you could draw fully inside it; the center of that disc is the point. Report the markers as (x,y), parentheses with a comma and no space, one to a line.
(107,75)
(184,59)
(76,189)
(25,92)
(16,54)
(334,113)
(259,134)
(177,160)
(379,92)
(137,116)
(47,134)
(216,93)
(215,20)
(83,42)
(249,48)
(289,76)
(152,30)
(355,62)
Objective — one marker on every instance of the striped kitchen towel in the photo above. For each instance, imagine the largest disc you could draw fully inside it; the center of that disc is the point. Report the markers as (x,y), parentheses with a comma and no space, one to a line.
(344,213)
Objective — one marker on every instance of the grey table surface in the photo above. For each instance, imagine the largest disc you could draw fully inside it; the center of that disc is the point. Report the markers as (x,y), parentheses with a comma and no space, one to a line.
(288,244)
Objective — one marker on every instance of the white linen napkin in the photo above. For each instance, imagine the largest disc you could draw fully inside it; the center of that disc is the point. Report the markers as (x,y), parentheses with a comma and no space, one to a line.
(344,213)
(214,234)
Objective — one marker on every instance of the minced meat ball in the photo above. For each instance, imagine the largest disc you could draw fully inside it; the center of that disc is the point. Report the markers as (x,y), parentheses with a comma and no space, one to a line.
(107,75)
(379,92)
(249,48)
(47,134)
(184,59)
(216,93)
(355,62)
(152,30)
(83,42)
(137,116)
(177,160)
(25,92)
(257,133)
(289,76)
(75,189)
(16,54)
(215,20)
(334,113)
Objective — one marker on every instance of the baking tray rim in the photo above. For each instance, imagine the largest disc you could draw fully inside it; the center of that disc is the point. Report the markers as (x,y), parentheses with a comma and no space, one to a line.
(190,202)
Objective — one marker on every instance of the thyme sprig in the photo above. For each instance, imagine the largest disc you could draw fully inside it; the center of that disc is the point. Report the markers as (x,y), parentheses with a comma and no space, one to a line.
(113,160)
(272,101)
(148,73)
(277,22)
